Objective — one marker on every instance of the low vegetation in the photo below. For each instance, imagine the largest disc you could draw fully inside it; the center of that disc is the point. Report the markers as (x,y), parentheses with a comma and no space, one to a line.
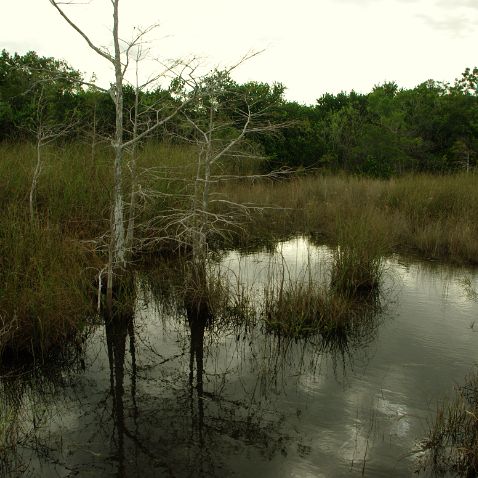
(358,259)
(430,216)
(45,282)
(49,267)
(58,229)
(452,442)
(297,310)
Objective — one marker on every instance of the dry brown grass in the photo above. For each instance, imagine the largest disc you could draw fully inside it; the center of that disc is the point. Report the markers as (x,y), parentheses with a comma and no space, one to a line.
(433,216)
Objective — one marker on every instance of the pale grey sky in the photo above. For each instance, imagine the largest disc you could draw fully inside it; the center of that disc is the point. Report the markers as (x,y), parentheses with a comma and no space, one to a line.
(311,46)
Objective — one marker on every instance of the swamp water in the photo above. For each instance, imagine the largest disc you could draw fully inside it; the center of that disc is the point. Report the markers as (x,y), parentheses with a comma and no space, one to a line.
(162,393)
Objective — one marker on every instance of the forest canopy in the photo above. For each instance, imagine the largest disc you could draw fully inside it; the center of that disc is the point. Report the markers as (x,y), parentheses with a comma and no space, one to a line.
(432,127)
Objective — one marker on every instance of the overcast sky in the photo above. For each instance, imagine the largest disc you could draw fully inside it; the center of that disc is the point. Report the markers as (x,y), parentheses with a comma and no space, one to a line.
(311,46)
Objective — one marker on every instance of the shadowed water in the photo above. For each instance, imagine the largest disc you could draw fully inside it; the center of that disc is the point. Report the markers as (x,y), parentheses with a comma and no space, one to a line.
(172,389)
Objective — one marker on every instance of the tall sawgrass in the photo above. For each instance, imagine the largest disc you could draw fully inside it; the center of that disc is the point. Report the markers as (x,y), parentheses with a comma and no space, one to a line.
(48,265)
(432,216)
(45,284)
(73,189)
(294,309)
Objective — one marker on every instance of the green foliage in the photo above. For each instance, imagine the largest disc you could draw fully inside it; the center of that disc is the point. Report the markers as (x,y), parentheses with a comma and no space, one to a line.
(23,79)
(389,131)
(468,83)
(299,142)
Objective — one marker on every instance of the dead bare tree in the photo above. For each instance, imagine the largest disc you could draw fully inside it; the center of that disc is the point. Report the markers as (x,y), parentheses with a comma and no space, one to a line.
(222,120)
(46,131)
(120,61)
(141,117)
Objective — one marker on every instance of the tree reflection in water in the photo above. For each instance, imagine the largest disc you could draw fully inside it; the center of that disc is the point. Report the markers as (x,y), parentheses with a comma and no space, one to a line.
(184,387)
(189,428)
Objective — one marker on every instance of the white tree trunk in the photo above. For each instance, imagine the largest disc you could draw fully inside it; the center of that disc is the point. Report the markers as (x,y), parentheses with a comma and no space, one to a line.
(119,252)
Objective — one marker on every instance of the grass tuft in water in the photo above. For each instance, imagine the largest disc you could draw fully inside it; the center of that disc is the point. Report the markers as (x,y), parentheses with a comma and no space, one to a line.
(298,310)
(358,265)
(451,446)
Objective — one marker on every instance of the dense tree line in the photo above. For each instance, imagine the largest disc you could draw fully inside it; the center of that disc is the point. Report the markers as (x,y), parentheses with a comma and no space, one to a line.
(432,127)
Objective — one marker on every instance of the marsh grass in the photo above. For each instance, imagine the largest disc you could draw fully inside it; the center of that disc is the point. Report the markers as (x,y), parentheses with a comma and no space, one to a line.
(451,445)
(302,310)
(296,309)
(289,307)
(72,192)
(48,267)
(307,302)
(431,216)
(435,216)
(358,262)
(44,284)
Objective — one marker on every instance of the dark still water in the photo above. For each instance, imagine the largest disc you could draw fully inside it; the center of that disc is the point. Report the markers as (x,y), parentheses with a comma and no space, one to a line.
(164,394)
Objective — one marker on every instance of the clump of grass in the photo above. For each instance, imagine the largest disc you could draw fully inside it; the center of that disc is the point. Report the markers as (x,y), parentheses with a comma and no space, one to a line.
(452,442)
(300,309)
(357,267)
(297,309)
(44,284)
(355,271)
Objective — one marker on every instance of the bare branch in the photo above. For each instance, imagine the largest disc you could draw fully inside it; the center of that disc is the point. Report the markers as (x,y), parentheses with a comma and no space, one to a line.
(246,57)
(98,50)
(158,123)
(136,41)
(234,141)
